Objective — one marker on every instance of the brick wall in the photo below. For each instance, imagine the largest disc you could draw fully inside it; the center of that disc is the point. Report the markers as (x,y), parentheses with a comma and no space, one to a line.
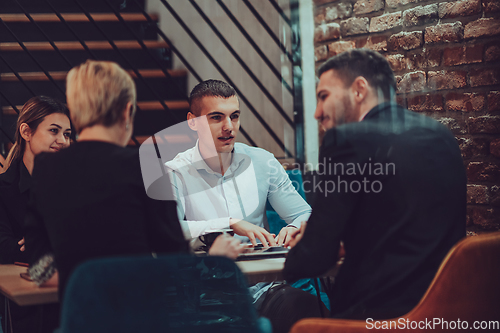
(446,57)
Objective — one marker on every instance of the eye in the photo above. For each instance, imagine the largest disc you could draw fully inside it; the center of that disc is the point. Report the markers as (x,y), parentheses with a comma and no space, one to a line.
(67,135)
(216,117)
(54,130)
(322,97)
(235,116)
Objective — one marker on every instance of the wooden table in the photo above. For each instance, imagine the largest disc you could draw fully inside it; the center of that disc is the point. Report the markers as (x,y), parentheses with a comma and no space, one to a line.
(24,292)
(21,291)
(263,270)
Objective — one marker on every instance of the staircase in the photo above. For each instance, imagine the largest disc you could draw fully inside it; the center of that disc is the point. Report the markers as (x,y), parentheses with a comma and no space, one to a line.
(41,40)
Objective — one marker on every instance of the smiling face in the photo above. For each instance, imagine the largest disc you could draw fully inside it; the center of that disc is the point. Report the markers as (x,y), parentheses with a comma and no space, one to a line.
(335,104)
(51,135)
(222,124)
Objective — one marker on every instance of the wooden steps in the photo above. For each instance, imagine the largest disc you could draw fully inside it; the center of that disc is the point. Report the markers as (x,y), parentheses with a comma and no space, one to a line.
(143,106)
(60,76)
(77,46)
(76,17)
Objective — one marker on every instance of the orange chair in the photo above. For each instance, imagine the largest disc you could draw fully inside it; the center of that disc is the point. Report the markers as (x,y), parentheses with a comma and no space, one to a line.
(465,291)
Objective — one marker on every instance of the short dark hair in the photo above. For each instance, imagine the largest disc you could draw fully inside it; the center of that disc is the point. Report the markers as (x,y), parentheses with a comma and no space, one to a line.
(366,63)
(215,88)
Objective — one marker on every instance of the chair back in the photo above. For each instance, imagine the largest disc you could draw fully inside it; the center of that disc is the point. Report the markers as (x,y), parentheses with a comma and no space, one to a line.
(465,291)
(174,293)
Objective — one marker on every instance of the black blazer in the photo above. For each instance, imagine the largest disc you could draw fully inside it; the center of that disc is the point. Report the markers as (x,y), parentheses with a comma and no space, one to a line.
(403,208)
(89,201)
(15,186)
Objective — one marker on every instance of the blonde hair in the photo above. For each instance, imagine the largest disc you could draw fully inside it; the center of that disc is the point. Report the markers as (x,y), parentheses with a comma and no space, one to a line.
(33,113)
(97,92)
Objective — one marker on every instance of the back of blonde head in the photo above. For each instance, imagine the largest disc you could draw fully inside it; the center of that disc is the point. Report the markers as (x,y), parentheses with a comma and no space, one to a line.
(97,93)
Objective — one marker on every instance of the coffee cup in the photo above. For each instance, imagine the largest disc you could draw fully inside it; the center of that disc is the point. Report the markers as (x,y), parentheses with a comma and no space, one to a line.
(209,238)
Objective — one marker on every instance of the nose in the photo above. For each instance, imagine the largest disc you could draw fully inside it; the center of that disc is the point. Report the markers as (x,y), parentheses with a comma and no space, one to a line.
(319,112)
(227,125)
(61,139)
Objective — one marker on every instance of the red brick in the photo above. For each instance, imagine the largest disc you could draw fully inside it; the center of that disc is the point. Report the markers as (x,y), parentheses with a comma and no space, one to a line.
(467,102)
(426,103)
(452,125)
(376,43)
(483,27)
(492,53)
(494,101)
(326,32)
(495,195)
(354,26)
(420,15)
(477,194)
(444,33)
(414,81)
(483,172)
(339,47)
(446,80)
(396,3)
(486,218)
(484,124)
(491,6)
(463,55)
(320,53)
(368,6)
(319,16)
(484,76)
(397,62)
(459,8)
(473,147)
(338,11)
(468,218)
(495,148)
(385,22)
(405,41)
(420,59)
(321,2)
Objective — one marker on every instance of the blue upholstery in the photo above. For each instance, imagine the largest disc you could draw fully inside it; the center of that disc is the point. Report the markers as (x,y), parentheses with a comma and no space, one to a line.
(274,220)
(175,293)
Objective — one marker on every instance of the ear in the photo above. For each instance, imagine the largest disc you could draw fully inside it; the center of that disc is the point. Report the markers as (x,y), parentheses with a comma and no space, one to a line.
(191,120)
(25,132)
(127,113)
(360,88)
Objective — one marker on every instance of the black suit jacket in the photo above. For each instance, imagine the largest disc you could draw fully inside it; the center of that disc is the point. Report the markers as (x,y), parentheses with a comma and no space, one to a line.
(399,205)
(15,186)
(89,201)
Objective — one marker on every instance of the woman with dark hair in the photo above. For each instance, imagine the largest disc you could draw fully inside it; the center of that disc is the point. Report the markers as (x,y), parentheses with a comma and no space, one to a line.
(43,125)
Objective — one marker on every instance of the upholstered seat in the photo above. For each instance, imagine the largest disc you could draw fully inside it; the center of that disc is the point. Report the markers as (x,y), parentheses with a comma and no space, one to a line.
(466,288)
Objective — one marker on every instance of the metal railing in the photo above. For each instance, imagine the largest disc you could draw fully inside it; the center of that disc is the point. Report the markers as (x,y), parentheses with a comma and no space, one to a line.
(294,55)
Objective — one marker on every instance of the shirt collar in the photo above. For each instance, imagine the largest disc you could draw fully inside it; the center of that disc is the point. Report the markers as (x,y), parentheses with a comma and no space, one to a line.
(200,164)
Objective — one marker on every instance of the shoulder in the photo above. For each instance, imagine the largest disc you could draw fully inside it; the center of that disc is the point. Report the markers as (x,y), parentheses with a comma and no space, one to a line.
(9,176)
(181,160)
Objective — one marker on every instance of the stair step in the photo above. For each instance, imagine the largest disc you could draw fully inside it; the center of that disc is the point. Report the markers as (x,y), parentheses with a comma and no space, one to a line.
(76,46)
(59,76)
(143,106)
(76,17)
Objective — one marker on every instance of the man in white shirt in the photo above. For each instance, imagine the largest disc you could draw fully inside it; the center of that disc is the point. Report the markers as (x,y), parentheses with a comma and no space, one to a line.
(223,184)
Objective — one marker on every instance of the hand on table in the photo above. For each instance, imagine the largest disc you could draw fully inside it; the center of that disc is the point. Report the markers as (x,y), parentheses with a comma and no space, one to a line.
(226,245)
(286,235)
(253,232)
(21,242)
(298,235)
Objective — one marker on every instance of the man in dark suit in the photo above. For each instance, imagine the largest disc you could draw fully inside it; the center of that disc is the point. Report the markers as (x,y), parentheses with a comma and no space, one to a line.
(392,189)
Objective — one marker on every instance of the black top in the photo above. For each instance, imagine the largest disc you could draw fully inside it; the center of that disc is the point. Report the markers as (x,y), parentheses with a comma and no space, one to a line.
(89,201)
(398,218)
(15,186)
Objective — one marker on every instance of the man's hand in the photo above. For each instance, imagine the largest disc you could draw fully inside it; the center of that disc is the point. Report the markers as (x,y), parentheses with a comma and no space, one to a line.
(253,232)
(286,234)
(298,236)
(21,242)
(226,245)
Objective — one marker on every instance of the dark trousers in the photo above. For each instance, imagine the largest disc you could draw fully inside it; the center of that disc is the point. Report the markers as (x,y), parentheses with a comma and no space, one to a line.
(285,305)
